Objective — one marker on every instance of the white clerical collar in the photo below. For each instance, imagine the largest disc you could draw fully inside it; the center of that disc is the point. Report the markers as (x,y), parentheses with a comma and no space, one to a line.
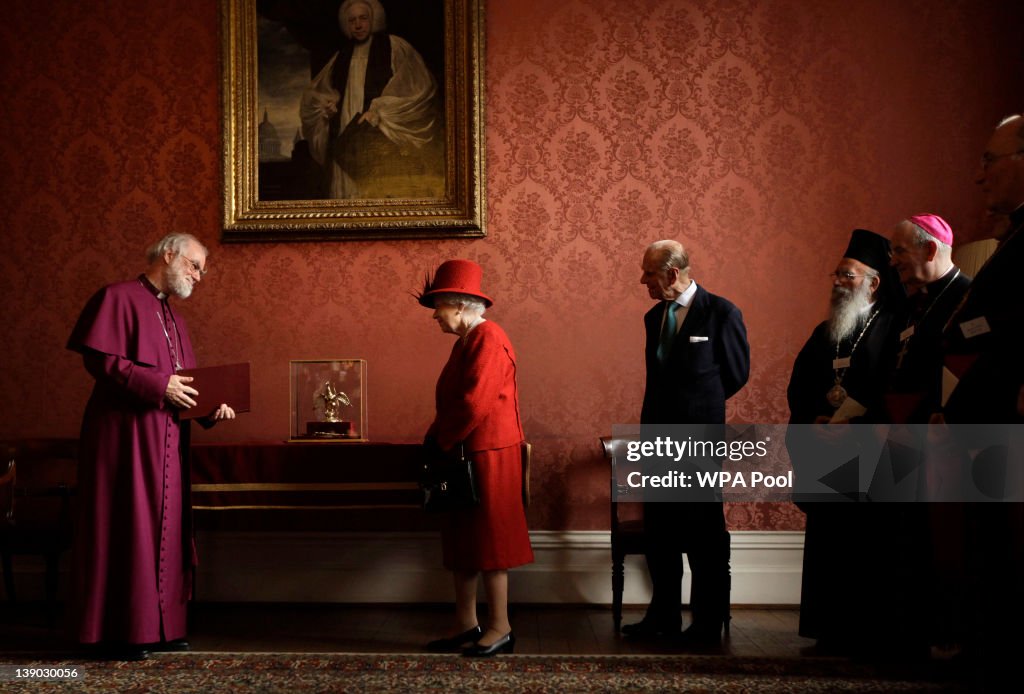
(935,282)
(686,298)
(149,286)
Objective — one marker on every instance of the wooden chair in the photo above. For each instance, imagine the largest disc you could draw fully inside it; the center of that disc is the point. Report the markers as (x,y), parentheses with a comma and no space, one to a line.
(37,479)
(626,533)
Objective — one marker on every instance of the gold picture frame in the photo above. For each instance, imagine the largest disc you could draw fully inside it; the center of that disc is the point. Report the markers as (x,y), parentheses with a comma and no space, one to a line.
(430,190)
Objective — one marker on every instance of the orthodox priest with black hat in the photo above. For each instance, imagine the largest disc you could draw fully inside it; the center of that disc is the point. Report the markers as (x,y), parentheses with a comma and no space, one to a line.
(842,370)
(839,375)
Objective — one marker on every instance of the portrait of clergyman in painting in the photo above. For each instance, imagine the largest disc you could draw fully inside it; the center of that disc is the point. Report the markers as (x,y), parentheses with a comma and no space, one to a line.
(351,99)
(353,119)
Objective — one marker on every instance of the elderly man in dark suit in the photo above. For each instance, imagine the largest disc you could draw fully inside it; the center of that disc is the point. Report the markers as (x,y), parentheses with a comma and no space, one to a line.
(697,357)
(984,336)
(984,378)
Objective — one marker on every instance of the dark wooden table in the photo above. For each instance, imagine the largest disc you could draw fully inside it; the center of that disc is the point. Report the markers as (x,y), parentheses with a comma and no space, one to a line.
(308,486)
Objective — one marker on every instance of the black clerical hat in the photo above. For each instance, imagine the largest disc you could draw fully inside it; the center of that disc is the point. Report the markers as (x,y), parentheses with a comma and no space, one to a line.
(869,248)
(874,251)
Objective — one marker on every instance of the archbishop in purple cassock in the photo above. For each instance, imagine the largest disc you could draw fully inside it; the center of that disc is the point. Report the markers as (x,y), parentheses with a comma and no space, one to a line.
(133,547)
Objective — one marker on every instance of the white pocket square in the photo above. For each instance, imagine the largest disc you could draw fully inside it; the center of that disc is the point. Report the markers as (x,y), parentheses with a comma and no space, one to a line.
(698,338)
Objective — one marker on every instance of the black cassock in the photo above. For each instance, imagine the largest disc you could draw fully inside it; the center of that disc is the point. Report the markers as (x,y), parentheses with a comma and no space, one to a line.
(850,584)
(916,387)
(865,380)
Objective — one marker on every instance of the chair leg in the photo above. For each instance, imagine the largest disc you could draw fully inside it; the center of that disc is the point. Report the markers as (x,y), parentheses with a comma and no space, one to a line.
(618,583)
(727,608)
(52,578)
(8,577)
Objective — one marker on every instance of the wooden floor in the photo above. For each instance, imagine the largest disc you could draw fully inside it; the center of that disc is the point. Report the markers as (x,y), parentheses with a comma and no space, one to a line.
(544,630)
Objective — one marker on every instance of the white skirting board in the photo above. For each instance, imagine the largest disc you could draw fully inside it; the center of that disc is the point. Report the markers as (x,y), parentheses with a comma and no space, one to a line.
(569,567)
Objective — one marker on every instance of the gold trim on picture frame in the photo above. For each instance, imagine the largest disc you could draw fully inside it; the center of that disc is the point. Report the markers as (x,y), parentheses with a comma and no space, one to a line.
(459,212)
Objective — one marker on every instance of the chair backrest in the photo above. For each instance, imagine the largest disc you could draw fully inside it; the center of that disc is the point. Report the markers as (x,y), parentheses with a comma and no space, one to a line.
(8,473)
(37,479)
(615,451)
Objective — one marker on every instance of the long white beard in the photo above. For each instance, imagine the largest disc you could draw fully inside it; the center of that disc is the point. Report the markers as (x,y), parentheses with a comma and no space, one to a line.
(178,283)
(849,311)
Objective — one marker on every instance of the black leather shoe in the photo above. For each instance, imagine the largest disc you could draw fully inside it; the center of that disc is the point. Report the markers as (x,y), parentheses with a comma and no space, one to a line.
(455,643)
(647,628)
(827,648)
(175,646)
(130,653)
(506,644)
(699,636)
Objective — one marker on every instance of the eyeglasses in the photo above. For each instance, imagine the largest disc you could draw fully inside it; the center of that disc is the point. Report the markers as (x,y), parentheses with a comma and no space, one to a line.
(844,276)
(193,267)
(987,159)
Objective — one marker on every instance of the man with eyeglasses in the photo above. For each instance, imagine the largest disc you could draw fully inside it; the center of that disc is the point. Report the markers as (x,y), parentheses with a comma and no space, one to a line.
(133,544)
(984,337)
(922,254)
(914,539)
(984,384)
(841,370)
(839,374)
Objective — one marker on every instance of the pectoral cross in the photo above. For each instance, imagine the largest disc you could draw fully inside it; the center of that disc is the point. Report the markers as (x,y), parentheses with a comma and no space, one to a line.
(902,353)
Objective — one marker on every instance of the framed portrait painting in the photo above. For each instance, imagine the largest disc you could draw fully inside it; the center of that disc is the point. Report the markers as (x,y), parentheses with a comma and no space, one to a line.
(352,119)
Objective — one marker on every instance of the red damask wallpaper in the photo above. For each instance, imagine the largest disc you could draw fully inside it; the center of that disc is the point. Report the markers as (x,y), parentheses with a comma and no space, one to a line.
(757,132)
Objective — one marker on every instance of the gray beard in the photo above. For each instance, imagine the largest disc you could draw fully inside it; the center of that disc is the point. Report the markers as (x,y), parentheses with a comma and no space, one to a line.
(178,283)
(848,312)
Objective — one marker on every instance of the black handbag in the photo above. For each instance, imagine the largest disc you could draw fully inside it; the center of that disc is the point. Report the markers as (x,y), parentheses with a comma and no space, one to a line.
(448,483)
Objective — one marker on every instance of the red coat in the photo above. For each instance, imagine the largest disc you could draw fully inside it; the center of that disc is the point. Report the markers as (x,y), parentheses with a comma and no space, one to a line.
(476,397)
(478,404)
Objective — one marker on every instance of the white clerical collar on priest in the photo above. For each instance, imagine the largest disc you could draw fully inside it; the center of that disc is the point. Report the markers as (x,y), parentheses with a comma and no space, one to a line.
(935,282)
(686,298)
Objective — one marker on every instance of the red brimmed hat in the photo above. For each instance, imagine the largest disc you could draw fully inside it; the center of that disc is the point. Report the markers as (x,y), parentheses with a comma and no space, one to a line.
(456,276)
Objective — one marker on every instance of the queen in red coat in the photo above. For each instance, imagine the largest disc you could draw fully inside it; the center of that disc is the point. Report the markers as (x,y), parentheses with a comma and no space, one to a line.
(478,408)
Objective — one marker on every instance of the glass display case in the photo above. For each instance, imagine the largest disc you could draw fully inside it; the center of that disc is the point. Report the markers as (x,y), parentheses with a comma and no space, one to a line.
(328,400)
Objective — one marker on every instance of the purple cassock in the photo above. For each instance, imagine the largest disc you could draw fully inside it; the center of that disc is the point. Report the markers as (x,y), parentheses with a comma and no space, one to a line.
(133,545)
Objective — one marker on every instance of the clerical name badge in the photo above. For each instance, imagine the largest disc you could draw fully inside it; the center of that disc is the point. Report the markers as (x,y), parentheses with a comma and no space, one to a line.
(907,334)
(975,327)
(843,363)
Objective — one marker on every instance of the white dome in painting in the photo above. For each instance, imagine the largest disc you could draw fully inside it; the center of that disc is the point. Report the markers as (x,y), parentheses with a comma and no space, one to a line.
(269,142)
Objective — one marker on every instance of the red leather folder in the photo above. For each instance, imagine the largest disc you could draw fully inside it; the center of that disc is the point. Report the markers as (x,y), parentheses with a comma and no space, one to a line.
(218,384)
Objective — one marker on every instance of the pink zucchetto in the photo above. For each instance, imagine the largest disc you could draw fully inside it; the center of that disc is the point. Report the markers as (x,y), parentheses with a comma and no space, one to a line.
(935,226)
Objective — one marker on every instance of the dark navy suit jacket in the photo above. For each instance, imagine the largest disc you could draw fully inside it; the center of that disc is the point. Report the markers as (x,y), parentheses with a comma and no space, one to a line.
(699,375)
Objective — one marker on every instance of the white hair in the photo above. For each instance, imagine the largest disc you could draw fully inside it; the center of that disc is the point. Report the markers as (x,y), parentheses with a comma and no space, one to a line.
(922,237)
(174,242)
(378,20)
(472,303)
(669,254)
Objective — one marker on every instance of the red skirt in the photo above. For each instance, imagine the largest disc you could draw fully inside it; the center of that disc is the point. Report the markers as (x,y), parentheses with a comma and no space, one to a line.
(493,535)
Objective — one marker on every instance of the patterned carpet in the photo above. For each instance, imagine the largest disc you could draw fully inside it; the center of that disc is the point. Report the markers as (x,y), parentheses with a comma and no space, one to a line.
(242,673)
